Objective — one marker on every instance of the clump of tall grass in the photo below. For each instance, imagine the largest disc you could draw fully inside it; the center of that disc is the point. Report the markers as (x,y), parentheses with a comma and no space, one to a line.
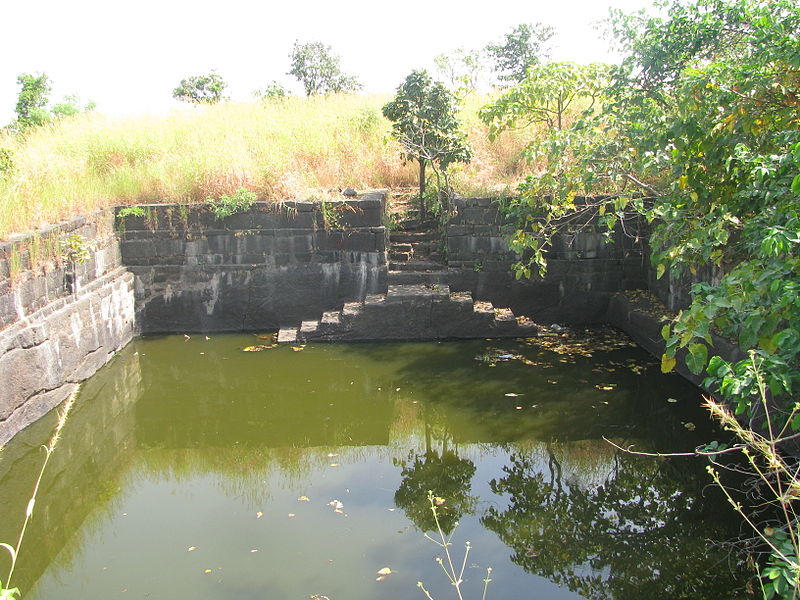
(281,150)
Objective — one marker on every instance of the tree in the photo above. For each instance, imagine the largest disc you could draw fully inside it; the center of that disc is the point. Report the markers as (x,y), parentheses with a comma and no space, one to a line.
(201,89)
(423,115)
(463,70)
(32,100)
(523,47)
(71,105)
(273,91)
(318,69)
(699,134)
(546,95)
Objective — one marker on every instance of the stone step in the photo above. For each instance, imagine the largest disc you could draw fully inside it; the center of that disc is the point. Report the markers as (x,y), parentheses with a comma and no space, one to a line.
(426,277)
(401,292)
(287,335)
(413,236)
(417,265)
(395,256)
(398,247)
(308,328)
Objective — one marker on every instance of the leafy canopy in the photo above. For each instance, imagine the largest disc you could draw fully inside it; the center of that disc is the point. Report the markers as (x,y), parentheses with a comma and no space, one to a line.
(34,95)
(316,66)
(520,49)
(201,89)
(699,133)
(423,115)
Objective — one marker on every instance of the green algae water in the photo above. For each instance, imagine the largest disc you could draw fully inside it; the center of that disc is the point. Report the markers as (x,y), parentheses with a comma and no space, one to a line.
(191,469)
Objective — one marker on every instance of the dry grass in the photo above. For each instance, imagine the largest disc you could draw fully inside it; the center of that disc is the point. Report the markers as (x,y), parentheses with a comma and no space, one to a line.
(282,150)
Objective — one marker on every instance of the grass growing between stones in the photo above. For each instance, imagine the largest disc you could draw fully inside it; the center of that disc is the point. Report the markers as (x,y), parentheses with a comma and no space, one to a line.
(290,149)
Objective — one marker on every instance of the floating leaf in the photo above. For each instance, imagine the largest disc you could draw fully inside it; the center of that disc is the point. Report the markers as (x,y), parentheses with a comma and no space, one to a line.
(673,400)
(304,499)
(381,578)
(332,455)
(191,548)
(254,550)
(334,465)
(291,515)
(259,514)
(207,571)
(512,395)
(385,571)
(690,426)
(297,348)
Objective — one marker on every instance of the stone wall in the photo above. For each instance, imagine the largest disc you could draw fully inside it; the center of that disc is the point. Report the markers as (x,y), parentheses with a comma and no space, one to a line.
(60,320)
(583,270)
(257,270)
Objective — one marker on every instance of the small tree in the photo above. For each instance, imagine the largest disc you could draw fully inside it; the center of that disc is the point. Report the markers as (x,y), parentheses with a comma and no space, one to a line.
(463,70)
(71,105)
(318,69)
(523,47)
(201,89)
(423,115)
(32,99)
(273,91)
(546,95)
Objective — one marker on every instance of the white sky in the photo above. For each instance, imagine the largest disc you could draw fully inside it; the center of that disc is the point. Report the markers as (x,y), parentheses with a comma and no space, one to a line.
(129,56)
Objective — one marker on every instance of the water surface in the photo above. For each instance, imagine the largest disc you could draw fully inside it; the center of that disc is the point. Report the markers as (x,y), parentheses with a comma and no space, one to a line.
(191,469)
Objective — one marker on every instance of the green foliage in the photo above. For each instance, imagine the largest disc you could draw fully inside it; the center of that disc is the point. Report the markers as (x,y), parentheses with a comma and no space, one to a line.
(32,100)
(201,89)
(423,114)
(76,248)
(462,71)
(545,95)
(522,48)
(698,135)
(272,92)
(71,105)
(225,206)
(6,161)
(316,66)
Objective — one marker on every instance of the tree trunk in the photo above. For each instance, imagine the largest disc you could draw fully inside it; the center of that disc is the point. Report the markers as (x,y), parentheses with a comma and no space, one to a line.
(422,210)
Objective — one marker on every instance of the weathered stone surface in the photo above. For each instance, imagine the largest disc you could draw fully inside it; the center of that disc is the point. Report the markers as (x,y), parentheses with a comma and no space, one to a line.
(64,343)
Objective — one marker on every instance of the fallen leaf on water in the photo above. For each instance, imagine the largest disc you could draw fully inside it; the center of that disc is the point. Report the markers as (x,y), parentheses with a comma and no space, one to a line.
(336,504)
(207,571)
(381,578)
(297,348)
(254,550)
(332,454)
(671,400)
(690,426)
(257,348)
(291,515)
(396,389)
(338,510)
(606,388)
(385,571)
(334,465)
(512,395)
(518,407)
(259,514)
(304,499)
(191,548)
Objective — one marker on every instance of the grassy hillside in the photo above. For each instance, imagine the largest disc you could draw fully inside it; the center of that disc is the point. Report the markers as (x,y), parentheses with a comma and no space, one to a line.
(297,148)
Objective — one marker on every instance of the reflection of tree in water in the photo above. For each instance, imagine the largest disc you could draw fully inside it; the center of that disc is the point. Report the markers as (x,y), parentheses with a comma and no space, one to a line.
(445,474)
(638,535)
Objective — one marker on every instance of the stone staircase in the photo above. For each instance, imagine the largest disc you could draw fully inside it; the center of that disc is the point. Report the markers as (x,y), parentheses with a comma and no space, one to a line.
(413,311)
(418,304)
